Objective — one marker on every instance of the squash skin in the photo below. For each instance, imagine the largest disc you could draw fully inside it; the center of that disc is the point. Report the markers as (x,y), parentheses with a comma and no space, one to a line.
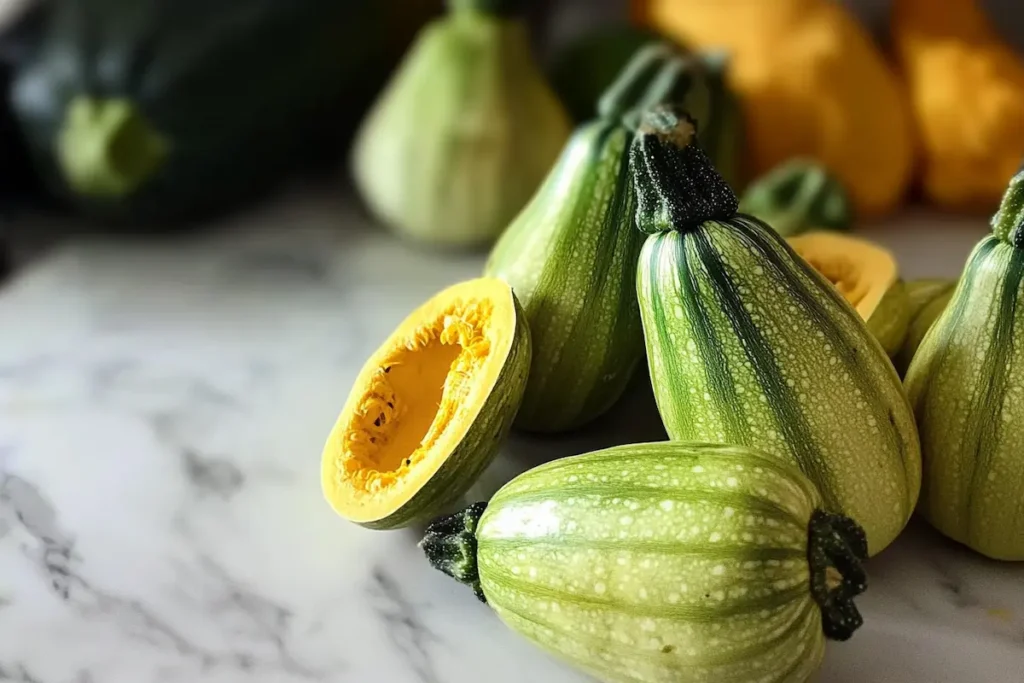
(213,94)
(964,383)
(476,450)
(653,562)
(570,257)
(748,344)
(926,300)
(889,319)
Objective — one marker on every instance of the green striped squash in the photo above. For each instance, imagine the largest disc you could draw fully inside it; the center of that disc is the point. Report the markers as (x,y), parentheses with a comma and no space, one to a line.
(571,257)
(663,562)
(966,383)
(748,344)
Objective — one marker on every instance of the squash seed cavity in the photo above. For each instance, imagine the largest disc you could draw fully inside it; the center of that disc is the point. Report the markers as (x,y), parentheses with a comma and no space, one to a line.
(414,396)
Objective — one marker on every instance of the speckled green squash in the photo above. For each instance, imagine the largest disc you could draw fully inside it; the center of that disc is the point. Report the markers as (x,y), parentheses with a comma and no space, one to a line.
(571,256)
(748,344)
(663,562)
(926,300)
(966,383)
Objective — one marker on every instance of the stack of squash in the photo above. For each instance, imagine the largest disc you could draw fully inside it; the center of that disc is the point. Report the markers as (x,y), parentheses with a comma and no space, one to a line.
(945,112)
(794,450)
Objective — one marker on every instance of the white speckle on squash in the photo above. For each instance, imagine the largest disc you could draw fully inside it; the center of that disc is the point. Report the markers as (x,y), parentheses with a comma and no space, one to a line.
(666,505)
(600,588)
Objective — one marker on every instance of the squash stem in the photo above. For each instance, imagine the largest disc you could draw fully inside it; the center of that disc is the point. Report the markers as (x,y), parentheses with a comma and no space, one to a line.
(837,546)
(1008,222)
(677,185)
(634,80)
(450,546)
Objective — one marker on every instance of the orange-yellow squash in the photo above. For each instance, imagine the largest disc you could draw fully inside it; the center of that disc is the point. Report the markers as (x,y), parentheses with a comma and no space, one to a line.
(967,94)
(429,409)
(811,84)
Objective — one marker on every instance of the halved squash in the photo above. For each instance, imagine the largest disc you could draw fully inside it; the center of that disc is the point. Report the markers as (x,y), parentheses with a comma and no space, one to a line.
(867,275)
(429,409)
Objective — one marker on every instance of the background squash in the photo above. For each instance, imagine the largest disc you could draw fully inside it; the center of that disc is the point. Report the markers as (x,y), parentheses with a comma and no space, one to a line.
(159,112)
(811,84)
(967,92)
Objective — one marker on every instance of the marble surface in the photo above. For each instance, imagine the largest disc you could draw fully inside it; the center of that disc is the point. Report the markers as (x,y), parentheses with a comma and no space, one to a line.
(163,404)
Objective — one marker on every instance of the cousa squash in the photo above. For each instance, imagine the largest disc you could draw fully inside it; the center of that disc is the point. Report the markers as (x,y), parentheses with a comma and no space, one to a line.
(966,90)
(429,408)
(464,132)
(571,253)
(811,84)
(965,384)
(156,112)
(867,275)
(748,344)
(663,562)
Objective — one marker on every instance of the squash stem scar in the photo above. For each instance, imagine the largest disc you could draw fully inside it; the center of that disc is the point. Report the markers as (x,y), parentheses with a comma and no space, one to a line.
(450,546)
(836,548)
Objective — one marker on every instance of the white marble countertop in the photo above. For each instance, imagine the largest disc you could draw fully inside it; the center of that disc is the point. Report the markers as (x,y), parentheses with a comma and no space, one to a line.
(162,408)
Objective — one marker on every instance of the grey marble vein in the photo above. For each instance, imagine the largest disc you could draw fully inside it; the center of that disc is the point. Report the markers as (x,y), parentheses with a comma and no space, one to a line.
(210,474)
(404,628)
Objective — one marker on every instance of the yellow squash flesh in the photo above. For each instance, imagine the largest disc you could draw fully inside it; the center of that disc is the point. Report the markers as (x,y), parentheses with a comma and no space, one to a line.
(867,276)
(428,410)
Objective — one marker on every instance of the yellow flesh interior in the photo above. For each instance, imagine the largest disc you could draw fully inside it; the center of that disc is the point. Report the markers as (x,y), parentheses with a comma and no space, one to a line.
(415,400)
(862,272)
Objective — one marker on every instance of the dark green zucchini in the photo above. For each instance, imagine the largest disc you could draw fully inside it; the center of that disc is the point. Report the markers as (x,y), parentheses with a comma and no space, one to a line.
(162,110)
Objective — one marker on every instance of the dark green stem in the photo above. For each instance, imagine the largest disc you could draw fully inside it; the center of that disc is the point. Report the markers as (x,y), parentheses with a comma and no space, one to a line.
(635,79)
(837,542)
(1008,222)
(676,183)
(498,8)
(450,546)
(799,195)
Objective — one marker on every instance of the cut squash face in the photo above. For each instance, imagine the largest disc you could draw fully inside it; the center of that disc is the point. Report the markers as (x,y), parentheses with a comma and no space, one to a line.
(429,408)
(866,275)
(860,270)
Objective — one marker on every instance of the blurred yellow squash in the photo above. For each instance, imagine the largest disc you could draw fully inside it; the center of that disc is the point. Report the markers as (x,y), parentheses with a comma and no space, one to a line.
(811,83)
(967,93)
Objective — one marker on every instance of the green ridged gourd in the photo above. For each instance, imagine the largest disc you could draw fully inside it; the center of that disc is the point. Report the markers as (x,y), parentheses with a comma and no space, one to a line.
(659,562)
(571,256)
(966,382)
(748,344)
(463,133)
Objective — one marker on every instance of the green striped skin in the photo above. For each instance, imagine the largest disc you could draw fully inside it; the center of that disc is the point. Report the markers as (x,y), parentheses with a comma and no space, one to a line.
(966,382)
(570,257)
(926,300)
(659,562)
(891,318)
(463,134)
(478,446)
(749,345)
